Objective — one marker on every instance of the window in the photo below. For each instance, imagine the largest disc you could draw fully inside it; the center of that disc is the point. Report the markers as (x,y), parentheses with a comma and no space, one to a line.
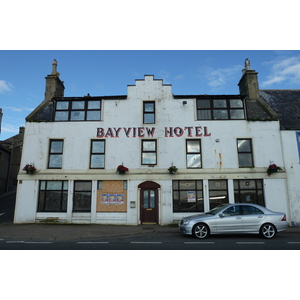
(82,196)
(149,112)
(55,154)
(149,152)
(251,210)
(77,110)
(97,154)
(298,142)
(235,210)
(249,191)
(53,196)
(218,192)
(220,109)
(187,196)
(245,157)
(193,154)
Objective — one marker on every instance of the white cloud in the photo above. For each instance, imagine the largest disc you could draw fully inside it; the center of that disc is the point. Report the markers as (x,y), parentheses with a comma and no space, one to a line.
(5,86)
(283,69)
(218,78)
(17,109)
(9,128)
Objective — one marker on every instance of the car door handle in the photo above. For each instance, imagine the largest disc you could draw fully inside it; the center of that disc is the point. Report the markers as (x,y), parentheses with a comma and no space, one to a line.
(238,218)
(260,216)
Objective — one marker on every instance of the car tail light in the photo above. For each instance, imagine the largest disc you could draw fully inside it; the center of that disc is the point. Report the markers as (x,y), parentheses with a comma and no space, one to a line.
(284,218)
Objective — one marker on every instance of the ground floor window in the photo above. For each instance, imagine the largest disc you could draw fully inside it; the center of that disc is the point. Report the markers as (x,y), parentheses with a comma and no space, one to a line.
(218,192)
(188,196)
(53,196)
(82,196)
(249,191)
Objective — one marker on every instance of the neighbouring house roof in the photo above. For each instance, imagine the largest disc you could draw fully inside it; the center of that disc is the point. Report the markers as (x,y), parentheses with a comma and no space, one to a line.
(286,103)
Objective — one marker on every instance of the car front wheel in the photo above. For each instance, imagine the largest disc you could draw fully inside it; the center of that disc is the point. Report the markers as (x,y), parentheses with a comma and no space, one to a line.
(268,231)
(200,231)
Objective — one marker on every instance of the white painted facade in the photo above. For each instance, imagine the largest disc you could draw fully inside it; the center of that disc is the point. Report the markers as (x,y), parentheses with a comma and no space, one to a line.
(290,142)
(175,123)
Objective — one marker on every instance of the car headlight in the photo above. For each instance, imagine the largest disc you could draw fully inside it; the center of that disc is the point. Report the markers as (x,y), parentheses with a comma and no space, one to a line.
(185,222)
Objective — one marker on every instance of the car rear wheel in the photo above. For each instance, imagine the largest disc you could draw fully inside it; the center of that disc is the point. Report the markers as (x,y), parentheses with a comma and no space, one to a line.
(268,231)
(200,231)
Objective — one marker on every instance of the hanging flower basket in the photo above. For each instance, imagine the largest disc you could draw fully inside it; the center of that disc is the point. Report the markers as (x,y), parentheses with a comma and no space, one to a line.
(173,170)
(121,169)
(273,169)
(30,169)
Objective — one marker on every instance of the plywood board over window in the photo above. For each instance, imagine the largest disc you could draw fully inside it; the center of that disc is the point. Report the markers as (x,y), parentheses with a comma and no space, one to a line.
(112,197)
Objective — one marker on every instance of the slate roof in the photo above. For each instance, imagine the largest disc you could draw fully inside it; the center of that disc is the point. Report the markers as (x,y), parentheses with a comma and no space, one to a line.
(286,103)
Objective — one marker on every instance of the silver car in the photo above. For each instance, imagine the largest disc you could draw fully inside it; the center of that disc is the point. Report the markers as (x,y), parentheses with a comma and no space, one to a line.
(235,218)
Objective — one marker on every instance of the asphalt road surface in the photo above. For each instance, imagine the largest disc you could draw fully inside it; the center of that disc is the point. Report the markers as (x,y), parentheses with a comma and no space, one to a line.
(162,241)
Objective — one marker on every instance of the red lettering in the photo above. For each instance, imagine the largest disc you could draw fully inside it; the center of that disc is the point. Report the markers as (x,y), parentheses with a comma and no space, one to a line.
(127,131)
(206,131)
(169,131)
(117,131)
(150,132)
(100,132)
(198,131)
(189,131)
(178,131)
(109,133)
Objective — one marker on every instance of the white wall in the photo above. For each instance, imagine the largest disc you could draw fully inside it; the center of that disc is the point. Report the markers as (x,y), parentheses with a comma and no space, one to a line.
(292,167)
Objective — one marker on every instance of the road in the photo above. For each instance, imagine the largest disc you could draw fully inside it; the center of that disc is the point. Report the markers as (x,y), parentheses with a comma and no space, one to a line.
(162,241)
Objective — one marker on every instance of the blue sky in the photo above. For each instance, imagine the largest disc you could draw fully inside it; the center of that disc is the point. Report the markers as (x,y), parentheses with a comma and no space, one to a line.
(105,72)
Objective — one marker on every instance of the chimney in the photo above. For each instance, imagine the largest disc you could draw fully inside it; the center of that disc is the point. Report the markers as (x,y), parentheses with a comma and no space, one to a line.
(54,86)
(248,84)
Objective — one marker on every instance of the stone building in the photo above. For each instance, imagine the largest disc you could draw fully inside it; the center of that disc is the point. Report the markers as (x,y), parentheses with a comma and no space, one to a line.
(221,146)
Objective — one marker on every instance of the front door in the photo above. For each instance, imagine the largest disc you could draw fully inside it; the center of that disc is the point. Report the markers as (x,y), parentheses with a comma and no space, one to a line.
(149,203)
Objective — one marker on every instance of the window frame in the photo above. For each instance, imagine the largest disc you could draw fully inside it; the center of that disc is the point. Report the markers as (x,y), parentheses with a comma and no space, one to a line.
(245,152)
(70,109)
(148,113)
(97,153)
(55,153)
(229,108)
(75,192)
(152,151)
(63,192)
(211,189)
(190,153)
(199,195)
(257,190)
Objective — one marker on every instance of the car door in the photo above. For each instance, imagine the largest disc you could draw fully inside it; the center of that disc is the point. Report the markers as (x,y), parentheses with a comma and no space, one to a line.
(252,218)
(230,220)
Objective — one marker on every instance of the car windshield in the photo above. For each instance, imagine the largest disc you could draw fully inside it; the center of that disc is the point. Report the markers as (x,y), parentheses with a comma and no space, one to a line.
(217,209)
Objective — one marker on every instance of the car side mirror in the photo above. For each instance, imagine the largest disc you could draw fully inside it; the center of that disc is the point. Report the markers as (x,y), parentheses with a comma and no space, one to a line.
(221,215)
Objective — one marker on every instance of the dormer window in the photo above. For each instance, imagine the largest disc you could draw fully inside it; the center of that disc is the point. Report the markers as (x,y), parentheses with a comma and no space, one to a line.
(81,109)
(220,109)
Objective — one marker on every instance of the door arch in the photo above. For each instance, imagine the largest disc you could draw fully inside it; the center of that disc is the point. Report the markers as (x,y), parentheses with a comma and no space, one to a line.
(149,210)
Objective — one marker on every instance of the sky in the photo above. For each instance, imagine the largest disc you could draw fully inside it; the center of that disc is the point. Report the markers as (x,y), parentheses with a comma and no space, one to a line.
(108,72)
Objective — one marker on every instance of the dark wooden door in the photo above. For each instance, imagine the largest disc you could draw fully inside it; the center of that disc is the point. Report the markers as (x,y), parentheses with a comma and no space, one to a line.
(149,203)
(149,209)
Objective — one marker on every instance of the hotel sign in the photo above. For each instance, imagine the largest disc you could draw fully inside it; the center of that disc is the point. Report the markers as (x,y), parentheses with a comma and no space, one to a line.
(150,132)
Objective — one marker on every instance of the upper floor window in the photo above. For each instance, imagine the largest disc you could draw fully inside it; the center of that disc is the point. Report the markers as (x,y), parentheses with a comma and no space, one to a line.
(97,154)
(193,154)
(77,110)
(55,154)
(245,156)
(149,112)
(220,109)
(149,152)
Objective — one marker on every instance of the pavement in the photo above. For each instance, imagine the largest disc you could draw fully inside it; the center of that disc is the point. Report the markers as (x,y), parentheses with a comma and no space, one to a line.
(70,232)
